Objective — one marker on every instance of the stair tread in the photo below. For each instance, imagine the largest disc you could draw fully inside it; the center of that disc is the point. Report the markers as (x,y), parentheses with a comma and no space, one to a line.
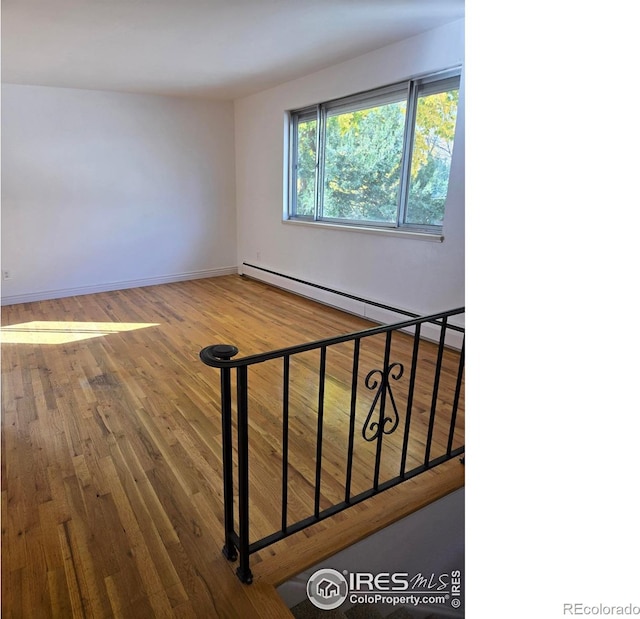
(306,610)
(400,613)
(364,611)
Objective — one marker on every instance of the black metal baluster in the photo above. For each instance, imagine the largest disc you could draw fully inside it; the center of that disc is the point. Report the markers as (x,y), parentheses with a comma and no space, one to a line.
(237,541)
(383,400)
(323,365)
(436,384)
(226,352)
(243,571)
(456,399)
(352,420)
(285,441)
(412,383)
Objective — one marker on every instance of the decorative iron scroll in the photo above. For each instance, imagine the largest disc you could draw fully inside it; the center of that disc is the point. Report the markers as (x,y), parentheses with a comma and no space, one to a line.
(371,429)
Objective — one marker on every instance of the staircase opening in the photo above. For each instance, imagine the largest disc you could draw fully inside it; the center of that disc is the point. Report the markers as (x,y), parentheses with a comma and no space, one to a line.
(417,563)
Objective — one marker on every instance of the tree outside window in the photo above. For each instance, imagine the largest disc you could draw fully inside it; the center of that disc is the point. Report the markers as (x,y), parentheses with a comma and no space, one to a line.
(378,159)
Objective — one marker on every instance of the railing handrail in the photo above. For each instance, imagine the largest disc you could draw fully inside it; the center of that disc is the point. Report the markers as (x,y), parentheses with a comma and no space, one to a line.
(378,423)
(208,356)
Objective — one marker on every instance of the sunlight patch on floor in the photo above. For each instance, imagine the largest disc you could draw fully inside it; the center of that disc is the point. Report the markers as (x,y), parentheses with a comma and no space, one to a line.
(64,332)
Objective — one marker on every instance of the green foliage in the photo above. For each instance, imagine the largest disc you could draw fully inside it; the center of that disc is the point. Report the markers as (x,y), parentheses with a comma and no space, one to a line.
(362,163)
(431,160)
(363,158)
(306,175)
(435,127)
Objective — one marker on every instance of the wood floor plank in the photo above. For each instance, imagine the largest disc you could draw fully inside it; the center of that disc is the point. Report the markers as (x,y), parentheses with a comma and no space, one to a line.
(59,594)
(111,447)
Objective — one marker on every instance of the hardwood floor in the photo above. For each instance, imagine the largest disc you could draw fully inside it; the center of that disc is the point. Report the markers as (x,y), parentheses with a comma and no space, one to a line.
(111,448)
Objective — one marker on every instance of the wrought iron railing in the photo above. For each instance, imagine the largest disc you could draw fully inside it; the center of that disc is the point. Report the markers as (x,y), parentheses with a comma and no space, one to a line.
(382,419)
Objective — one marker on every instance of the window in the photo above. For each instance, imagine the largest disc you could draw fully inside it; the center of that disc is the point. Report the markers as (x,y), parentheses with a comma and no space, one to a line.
(378,159)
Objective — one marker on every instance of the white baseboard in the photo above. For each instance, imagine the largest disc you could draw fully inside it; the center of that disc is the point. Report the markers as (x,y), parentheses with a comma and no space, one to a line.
(359,308)
(111,286)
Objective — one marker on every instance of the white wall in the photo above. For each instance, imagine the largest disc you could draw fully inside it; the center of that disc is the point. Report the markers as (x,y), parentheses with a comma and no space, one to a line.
(105,190)
(418,275)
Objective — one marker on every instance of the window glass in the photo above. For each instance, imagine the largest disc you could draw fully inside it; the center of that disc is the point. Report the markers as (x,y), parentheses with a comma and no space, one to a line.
(363,161)
(306,167)
(431,158)
(379,159)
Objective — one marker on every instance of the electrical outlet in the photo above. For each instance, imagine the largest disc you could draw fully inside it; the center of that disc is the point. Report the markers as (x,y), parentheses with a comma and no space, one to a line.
(258,256)
(6,274)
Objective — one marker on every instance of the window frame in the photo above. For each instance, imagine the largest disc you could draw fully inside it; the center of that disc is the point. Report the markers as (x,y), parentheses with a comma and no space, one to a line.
(407,90)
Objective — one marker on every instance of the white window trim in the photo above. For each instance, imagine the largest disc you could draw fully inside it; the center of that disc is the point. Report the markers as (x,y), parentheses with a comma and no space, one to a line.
(403,230)
(397,232)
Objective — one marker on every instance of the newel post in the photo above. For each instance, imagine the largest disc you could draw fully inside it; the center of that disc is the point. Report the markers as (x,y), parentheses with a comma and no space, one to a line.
(225,352)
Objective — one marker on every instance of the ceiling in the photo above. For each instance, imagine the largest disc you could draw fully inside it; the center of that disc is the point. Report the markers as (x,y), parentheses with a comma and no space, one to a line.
(222,49)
